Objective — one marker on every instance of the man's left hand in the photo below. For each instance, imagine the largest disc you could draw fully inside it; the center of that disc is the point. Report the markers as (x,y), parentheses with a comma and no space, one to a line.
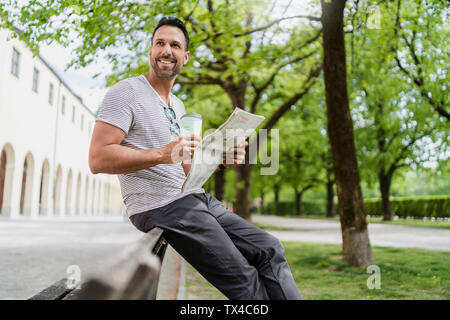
(235,155)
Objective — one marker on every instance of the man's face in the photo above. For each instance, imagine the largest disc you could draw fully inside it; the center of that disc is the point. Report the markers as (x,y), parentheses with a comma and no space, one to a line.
(167,54)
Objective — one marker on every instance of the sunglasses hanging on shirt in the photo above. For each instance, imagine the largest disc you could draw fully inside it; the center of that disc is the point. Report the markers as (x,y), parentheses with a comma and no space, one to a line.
(174,127)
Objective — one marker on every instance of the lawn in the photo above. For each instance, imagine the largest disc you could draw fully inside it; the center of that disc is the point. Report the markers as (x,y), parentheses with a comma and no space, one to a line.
(320,274)
(405,222)
(413,222)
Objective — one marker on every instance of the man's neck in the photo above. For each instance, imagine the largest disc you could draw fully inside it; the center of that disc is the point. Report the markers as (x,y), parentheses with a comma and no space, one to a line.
(161,86)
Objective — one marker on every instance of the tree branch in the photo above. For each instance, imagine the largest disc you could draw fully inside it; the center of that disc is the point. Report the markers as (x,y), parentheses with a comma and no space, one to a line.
(423,92)
(246,33)
(260,90)
(418,80)
(199,79)
(307,84)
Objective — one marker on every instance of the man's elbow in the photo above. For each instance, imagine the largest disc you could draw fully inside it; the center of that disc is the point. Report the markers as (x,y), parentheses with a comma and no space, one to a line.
(93,165)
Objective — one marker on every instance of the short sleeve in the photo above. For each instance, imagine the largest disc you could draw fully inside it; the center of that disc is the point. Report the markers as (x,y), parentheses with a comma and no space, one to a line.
(118,106)
(178,106)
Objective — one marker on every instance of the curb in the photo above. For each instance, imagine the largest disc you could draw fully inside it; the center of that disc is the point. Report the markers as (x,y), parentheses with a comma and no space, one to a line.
(182,281)
(172,281)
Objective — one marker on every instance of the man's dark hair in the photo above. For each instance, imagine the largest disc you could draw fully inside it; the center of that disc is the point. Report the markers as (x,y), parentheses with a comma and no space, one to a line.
(173,21)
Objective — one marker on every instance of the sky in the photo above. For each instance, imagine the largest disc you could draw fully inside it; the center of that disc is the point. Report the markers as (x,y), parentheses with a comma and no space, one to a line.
(79,80)
(92,90)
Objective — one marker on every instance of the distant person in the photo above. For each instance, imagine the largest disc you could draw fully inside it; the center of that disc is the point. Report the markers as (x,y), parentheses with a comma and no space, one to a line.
(136,133)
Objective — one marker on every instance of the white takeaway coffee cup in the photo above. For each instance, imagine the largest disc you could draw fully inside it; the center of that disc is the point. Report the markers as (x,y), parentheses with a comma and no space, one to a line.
(191,123)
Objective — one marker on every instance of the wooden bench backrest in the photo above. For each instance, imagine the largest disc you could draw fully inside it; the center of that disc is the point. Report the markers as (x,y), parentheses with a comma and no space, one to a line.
(132,274)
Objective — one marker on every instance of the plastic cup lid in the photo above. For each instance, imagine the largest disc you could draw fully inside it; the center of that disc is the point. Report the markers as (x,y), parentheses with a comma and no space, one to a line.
(195,115)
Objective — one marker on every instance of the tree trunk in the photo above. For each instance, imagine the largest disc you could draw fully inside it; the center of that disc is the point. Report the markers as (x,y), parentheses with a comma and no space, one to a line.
(276,192)
(207,187)
(219,184)
(298,203)
(243,175)
(355,238)
(331,211)
(236,92)
(385,180)
(262,201)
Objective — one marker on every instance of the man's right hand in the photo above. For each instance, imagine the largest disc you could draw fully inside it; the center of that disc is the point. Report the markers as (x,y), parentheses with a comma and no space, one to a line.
(181,148)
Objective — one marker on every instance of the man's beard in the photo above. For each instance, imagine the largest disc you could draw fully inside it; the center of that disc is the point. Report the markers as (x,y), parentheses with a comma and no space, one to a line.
(164,73)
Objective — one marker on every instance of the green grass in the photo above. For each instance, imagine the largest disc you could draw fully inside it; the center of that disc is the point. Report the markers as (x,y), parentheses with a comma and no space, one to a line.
(198,288)
(272,227)
(415,223)
(403,222)
(320,274)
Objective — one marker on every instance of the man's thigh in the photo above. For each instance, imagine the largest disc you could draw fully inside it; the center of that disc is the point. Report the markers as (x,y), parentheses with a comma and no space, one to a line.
(254,243)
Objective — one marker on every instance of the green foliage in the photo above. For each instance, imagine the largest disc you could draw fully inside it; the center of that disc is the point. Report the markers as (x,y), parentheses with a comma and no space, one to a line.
(393,119)
(392,96)
(418,207)
(403,207)
(287,208)
(304,154)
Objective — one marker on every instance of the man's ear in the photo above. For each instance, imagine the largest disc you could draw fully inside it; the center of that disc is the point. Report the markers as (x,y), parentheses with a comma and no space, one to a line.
(186,58)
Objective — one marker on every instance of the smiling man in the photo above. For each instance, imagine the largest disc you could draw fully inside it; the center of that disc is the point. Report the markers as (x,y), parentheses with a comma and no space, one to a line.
(137,137)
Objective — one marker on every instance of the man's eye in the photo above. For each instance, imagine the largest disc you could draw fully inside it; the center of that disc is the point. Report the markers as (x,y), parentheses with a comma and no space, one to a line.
(176,45)
(160,43)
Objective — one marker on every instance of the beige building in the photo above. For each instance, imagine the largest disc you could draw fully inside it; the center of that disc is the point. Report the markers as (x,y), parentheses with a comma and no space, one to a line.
(45,130)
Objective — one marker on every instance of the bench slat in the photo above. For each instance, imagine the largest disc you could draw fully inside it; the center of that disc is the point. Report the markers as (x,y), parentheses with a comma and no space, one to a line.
(132,274)
(55,292)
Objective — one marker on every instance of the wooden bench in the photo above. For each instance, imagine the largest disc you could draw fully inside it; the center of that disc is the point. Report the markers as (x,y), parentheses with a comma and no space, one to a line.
(131,275)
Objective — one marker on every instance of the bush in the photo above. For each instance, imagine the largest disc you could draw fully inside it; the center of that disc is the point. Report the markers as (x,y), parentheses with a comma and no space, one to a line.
(309,207)
(418,207)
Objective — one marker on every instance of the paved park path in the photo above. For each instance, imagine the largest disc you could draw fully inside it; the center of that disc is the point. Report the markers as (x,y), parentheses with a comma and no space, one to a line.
(384,235)
(35,253)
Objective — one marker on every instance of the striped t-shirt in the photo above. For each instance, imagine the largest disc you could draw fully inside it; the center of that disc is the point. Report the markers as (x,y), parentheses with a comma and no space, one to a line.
(135,107)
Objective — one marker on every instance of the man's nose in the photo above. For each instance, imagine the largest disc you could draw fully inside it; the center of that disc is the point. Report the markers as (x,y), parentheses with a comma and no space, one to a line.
(167,50)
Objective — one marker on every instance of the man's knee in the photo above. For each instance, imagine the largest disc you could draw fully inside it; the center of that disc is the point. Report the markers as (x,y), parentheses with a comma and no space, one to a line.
(274,246)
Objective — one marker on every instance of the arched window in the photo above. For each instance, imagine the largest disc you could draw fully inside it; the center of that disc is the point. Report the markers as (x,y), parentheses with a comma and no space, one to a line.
(2,176)
(43,192)
(27,184)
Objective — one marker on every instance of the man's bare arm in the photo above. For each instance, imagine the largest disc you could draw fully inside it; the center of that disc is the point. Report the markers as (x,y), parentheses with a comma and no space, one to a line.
(186,167)
(106,155)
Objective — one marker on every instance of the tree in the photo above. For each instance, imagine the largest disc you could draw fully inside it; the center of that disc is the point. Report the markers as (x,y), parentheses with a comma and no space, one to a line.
(396,120)
(313,109)
(423,38)
(302,145)
(356,246)
(329,183)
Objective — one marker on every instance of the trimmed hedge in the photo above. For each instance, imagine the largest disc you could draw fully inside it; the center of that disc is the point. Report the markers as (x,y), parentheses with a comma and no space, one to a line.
(309,207)
(418,207)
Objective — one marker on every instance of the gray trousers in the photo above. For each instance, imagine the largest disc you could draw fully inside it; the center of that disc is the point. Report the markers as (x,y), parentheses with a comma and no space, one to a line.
(238,258)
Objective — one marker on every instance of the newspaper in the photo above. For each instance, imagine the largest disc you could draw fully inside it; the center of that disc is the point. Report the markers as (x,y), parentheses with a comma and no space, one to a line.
(209,152)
